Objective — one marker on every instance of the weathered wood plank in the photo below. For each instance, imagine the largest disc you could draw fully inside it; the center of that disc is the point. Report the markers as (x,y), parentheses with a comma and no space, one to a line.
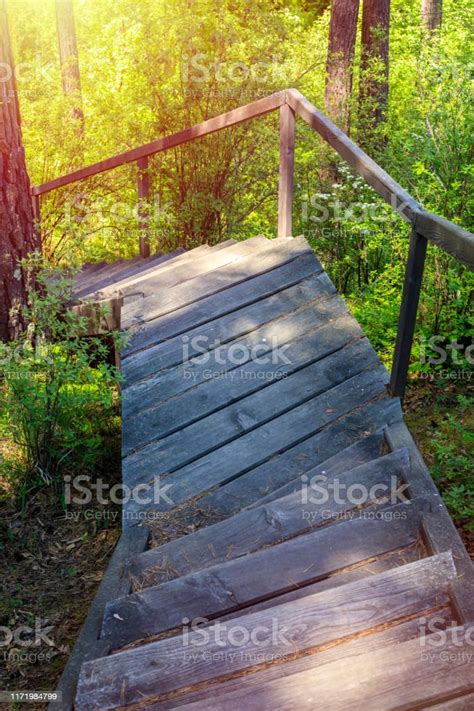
(277,253)
(251,412)
(173,371)
(348,651)
(308,623)
(124,271)
(231,118)
(286,175)
(227,326)
(224,387)
(231,299)
(288,464)
(251,530)
(448,236)
(399,676)
(253,448)
(361,452)
(365,568)
(183,270)
(264,574)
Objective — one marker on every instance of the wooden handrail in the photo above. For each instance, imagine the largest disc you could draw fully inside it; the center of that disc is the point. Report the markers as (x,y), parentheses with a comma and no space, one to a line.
(231,118)
(427,227)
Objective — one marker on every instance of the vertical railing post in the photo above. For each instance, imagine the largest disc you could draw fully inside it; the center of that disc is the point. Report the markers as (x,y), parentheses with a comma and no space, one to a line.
(143,186)
(35,201)
(286,176)
(408,311)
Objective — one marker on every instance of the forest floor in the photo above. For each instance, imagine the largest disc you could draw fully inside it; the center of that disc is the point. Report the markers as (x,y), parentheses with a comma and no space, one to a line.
(55,562)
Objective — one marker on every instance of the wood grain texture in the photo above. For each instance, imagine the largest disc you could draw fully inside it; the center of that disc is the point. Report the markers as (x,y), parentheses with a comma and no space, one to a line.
(287,464)
(220,387)
(264,574)
(155,331)
(251,530)
(418,677)
(310,393)
(276,253)
(130,676)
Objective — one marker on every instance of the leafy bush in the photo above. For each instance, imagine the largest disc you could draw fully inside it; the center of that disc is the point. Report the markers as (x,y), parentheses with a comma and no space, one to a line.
(55,380)
(453,445)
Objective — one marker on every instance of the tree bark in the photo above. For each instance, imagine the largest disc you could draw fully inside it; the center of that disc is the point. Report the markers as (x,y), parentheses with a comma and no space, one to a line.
(18,236)
(342,35)
(431,14)
(374,64)
(69,59)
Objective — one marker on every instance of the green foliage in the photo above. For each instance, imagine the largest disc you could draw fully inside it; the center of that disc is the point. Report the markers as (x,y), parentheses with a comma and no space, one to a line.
(56,384)
(212,57)
(453,446)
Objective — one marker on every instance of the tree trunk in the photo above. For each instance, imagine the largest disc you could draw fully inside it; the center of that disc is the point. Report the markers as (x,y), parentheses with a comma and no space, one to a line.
(342,35)
(431,14)
(374,64)
(17,232)
(69,59)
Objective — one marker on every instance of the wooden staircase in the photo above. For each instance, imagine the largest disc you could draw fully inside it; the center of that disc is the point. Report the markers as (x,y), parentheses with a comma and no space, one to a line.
(302,556)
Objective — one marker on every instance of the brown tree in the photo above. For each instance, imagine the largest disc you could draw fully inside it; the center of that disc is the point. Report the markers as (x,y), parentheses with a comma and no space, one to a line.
(69,59)
(17,233)
(342,35)
(431,14)
(374,66)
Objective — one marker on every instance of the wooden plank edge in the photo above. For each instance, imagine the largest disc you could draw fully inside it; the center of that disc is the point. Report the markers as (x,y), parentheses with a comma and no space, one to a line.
(440,532)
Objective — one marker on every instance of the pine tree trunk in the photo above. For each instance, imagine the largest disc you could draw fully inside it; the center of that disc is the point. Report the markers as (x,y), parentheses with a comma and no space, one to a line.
(17,233)
(431,14)
(342,35)
(69,59)
(373,90)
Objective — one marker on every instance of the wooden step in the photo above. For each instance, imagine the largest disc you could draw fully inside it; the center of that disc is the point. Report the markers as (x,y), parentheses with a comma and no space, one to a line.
(193,263)
(270,328)
(296,628)
(237,271)
(287,464)
(279,520)
(313,385)
(219,388)
(228,326)
(209,308)
(362,452)
(266,573)
(418,677)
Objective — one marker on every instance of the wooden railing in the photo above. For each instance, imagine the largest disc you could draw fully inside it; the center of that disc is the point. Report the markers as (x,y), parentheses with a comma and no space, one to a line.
(426,226)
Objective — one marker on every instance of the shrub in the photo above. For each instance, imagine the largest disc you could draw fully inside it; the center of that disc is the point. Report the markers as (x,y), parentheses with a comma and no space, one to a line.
(55,381)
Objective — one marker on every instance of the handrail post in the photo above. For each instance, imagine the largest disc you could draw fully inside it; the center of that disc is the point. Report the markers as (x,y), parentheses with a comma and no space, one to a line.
(143,186)
(35,201)
(286,175)
(408,311)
